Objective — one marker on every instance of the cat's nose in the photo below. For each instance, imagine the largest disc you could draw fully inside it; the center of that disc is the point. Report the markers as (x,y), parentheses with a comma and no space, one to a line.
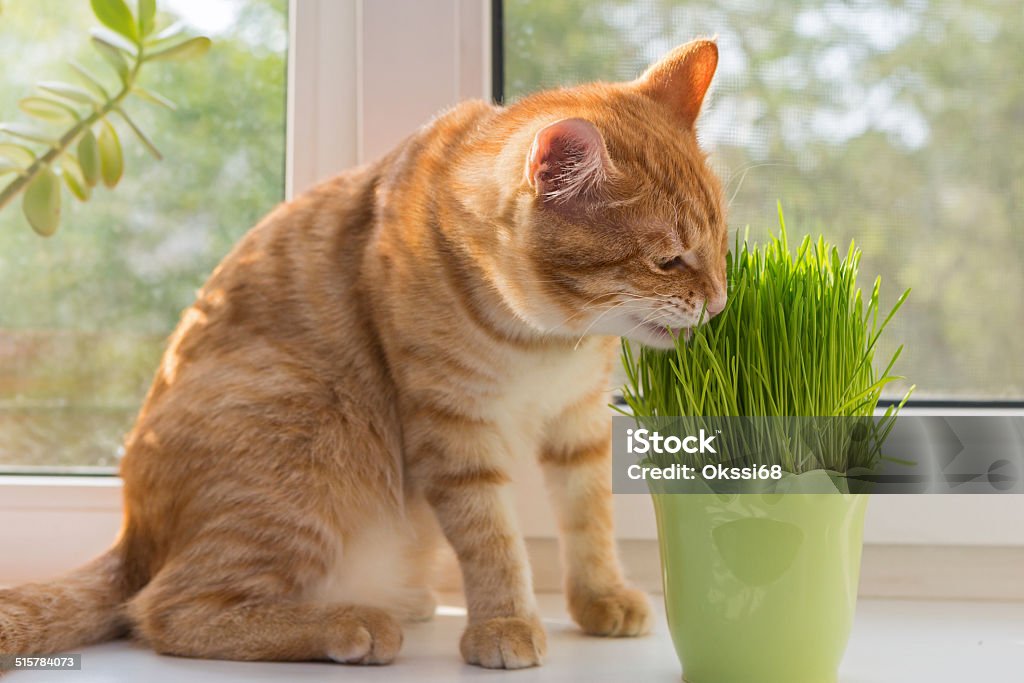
(716,304)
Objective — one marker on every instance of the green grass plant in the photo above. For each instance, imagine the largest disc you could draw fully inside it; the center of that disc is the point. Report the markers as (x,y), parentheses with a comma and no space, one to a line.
(796,340)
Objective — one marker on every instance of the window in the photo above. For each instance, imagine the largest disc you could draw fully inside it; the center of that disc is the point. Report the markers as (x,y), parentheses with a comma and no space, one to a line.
(894,123)
(101,296)
(84,315)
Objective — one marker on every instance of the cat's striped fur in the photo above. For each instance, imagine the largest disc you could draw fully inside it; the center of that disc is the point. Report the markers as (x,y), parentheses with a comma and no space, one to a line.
(356,375)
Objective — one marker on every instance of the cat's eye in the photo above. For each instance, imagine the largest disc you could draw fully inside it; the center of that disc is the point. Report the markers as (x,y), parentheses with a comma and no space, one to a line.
(674,264)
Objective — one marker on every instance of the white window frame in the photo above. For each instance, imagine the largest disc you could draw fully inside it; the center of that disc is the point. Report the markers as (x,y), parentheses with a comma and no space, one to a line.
(356,92)
(362,74)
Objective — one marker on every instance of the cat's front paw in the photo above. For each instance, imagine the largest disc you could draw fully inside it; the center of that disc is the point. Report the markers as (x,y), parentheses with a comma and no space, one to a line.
(504,643)
(620,612)
(364,635)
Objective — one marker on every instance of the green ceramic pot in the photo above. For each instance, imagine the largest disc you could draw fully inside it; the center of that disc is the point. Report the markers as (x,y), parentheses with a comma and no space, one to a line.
(760,588)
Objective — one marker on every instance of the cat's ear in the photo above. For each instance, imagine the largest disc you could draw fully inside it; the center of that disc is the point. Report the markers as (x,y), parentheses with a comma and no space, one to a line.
(682,78)
(568,160)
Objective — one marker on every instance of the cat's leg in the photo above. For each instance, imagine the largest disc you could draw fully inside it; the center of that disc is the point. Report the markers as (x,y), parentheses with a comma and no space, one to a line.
(250,581)
(243,598)
(455,462)
(577,468)
(426,545)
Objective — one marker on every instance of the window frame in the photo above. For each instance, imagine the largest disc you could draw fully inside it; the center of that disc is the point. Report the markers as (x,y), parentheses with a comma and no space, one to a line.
(55,522)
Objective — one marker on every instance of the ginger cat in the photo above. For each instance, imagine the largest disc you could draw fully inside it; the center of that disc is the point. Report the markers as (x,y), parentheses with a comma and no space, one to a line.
(355,376)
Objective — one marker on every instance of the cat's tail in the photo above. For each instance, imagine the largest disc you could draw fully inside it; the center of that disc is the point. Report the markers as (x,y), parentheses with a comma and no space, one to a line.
(79,608)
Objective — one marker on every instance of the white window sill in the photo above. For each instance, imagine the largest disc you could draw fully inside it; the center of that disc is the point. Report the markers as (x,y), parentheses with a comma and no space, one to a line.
(950,642)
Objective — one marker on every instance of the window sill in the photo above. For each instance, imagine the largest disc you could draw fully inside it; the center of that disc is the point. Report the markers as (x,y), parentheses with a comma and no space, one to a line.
(53,523)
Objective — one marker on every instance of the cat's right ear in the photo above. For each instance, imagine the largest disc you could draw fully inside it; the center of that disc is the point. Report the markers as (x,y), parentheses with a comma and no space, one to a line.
(568,160)
(682,78)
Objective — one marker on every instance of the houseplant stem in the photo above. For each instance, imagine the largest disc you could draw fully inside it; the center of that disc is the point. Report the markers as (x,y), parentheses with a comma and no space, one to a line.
(18,184)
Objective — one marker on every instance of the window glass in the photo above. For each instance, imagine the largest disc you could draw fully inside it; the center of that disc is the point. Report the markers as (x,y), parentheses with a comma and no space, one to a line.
(84,314)
(895,123)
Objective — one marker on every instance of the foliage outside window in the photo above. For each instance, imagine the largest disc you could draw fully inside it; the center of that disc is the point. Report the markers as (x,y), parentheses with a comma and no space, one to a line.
(898,124)
(84,315)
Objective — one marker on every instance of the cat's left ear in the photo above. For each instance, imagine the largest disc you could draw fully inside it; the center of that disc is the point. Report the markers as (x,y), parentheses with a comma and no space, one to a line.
(682,78)
(568,160)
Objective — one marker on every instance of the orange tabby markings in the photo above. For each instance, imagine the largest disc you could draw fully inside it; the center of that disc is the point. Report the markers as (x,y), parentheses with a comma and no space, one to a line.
(356,375)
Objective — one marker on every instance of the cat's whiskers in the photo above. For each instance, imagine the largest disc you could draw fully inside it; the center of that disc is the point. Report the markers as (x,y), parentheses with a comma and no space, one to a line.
(586,307)
(747,169)
(638,325)
(653,317)
(631,299)
(603,313)
(735,173)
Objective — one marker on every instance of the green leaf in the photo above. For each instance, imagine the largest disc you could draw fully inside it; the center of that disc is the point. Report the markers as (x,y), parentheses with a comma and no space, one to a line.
(89,158)
(189,49)
(140,135)
(168,34)
(26,132)
(115,15)
(47,110)
(9,166)
(116,40)
(41,202)
(111,158)
(19,154)
(153,97)
(80,190)
(72,174)
(147,15)
(112,55)
(68,91)
(90,80)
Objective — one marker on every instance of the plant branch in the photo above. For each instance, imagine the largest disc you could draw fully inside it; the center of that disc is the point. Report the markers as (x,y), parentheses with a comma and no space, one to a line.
(66,140)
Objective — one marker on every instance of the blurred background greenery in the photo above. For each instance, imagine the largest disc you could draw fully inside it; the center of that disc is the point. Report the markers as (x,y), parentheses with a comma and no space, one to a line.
(84,315)
(898,123)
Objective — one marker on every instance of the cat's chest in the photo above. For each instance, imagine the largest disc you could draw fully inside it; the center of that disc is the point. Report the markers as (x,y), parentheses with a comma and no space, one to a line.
(538,387)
